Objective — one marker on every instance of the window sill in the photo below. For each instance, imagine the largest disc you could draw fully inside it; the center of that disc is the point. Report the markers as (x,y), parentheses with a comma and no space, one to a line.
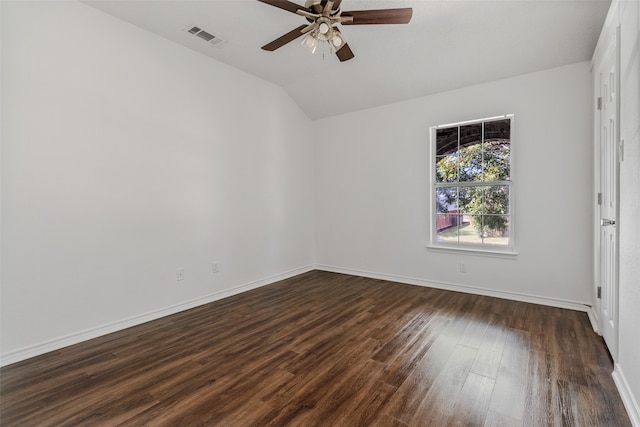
(506,254)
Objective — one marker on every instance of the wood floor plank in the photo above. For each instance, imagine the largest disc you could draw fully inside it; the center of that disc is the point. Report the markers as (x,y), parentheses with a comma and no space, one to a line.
(510,391)
(406,361)
(338,405)
(495,419)
(302,399)
(542,394)
(406,401)
(471,404)
(367,406)
(490,351)
(405,338)
(328,349)
(438,404)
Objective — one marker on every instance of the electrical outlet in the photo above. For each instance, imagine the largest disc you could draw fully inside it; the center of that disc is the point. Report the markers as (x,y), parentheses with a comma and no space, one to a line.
(463,268)
(214,267)
(180,274)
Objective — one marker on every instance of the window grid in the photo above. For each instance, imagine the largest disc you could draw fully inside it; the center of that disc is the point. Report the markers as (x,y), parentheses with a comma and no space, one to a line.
(485,187)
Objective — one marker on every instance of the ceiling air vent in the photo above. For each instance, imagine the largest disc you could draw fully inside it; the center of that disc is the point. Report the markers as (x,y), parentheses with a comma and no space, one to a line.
(204,35)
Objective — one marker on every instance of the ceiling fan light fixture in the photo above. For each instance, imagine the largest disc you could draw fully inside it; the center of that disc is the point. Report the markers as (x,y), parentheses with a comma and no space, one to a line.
(336,40)
(310,43)
(324,28)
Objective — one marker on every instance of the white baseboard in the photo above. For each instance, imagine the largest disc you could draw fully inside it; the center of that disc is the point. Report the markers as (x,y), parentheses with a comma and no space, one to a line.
(593,318)
(535,299)
(629,400)
(75,338)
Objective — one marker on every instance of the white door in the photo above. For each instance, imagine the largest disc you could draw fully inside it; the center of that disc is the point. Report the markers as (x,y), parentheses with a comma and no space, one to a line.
(609,131)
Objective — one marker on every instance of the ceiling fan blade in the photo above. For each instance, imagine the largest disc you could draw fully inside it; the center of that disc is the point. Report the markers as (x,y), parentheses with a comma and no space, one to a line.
(380,16)
(344,53)
(282,40)
(336,4)
(286,5)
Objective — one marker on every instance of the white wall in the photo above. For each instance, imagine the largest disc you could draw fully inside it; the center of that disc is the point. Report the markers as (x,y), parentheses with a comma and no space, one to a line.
(628,364)
(124,157)
(372,182)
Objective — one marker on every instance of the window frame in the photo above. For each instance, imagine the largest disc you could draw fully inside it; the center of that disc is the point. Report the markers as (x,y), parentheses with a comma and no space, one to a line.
(507,251)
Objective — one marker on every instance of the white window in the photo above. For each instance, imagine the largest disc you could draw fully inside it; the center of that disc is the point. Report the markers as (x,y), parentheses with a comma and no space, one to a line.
(471,191)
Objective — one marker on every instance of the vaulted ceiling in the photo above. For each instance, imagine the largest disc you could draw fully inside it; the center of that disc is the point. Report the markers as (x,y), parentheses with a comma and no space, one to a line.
(448,44)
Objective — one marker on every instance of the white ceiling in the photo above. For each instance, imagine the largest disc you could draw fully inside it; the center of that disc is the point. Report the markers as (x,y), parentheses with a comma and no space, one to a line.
(448,44)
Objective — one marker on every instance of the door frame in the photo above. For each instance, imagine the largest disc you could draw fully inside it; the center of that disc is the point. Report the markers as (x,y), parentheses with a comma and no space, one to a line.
(601,52)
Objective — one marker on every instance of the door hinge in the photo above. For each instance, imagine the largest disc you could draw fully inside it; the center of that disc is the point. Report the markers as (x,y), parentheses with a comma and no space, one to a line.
(599,198)
(599,103)
(599,292)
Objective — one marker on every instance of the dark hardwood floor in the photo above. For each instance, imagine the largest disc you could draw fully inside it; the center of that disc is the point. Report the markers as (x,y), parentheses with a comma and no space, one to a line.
(332,350)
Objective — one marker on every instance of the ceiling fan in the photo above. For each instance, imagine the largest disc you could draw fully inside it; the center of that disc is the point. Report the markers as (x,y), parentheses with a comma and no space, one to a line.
(323,17)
